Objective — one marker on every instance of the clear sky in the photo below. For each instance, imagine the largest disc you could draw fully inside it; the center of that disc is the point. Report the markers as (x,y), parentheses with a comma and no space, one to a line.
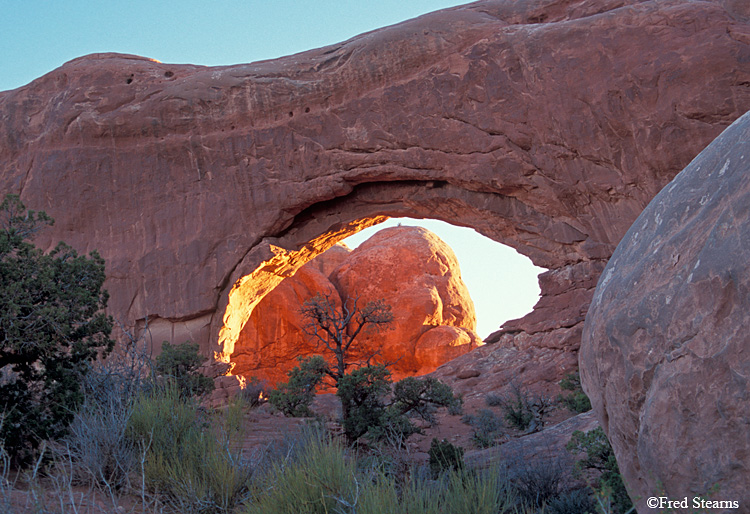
(37,36)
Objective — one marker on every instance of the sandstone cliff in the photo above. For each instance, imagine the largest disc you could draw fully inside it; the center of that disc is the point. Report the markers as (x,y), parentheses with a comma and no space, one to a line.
(547,126)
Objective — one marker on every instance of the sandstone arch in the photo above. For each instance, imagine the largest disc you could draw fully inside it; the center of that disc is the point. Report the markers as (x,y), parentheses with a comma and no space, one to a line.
(547,126)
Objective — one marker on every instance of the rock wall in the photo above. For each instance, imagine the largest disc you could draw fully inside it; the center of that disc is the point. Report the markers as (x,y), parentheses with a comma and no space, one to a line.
(665,356)
(415,272)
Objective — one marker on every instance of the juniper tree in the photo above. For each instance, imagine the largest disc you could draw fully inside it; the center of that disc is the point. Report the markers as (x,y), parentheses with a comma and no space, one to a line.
(51,328)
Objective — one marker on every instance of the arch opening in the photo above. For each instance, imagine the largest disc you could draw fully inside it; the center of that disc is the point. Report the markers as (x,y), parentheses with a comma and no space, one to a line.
(555,242)
(414,271)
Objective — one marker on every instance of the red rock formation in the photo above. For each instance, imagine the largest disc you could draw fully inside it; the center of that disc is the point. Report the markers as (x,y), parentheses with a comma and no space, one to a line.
(410,268)
(418,275)
(549,137)
(547,126)
(273,337)
(665,356)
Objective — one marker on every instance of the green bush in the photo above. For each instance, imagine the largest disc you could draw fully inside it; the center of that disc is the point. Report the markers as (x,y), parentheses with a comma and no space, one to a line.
(576,401)
(316,480)
(421,397)
(294,397)
(326,479)
(600,457)
(362,395)
(180,363)
(52,327)
(187,459)
(444,456)
(537,481)
(366,412)
(522,410)
(578,501)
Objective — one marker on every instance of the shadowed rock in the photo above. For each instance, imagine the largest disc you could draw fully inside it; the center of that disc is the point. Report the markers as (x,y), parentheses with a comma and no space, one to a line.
(664,356)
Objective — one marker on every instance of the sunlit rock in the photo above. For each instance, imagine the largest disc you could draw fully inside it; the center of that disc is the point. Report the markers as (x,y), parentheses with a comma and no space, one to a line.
(415,272)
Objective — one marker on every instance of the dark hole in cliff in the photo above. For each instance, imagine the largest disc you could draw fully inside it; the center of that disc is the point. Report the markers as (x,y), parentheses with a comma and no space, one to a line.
(435,287)
(169,74)
(129,80)
(307,109)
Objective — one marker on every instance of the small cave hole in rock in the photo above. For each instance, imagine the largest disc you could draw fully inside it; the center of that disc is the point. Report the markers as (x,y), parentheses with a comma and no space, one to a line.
(448,287)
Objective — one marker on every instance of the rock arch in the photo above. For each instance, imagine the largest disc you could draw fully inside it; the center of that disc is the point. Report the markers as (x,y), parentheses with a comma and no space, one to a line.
(549,243)
(547,126)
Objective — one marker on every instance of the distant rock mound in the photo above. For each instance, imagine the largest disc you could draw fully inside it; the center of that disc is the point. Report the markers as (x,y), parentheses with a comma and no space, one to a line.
(665,356)
(414,271)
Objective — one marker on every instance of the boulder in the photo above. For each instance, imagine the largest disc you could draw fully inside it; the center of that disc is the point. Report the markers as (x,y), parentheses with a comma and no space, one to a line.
(665,357)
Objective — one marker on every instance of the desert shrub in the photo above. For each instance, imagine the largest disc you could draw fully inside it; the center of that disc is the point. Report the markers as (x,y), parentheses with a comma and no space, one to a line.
(444,456)
(487,427)
(601,458)
(186,458)
(254,392)
(524,411)
(316,480)
(576,400)
(362,395)
(294,397)
(97,446)
(366,412)
(538,481)
(578,501)
(180,364)
(96,449)
(52,326)
(457,407)
(478,493)
(493,400)
(326,478)
(421,397)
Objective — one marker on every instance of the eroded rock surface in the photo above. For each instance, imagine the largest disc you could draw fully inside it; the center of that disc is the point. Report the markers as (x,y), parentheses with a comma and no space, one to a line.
(410,268)
(665,356)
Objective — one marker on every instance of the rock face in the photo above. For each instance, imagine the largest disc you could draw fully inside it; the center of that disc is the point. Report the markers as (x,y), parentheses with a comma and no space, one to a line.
(665,356)
(273,337)
(415,272)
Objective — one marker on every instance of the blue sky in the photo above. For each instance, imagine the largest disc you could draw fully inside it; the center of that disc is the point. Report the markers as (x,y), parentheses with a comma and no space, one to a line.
(38,36)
